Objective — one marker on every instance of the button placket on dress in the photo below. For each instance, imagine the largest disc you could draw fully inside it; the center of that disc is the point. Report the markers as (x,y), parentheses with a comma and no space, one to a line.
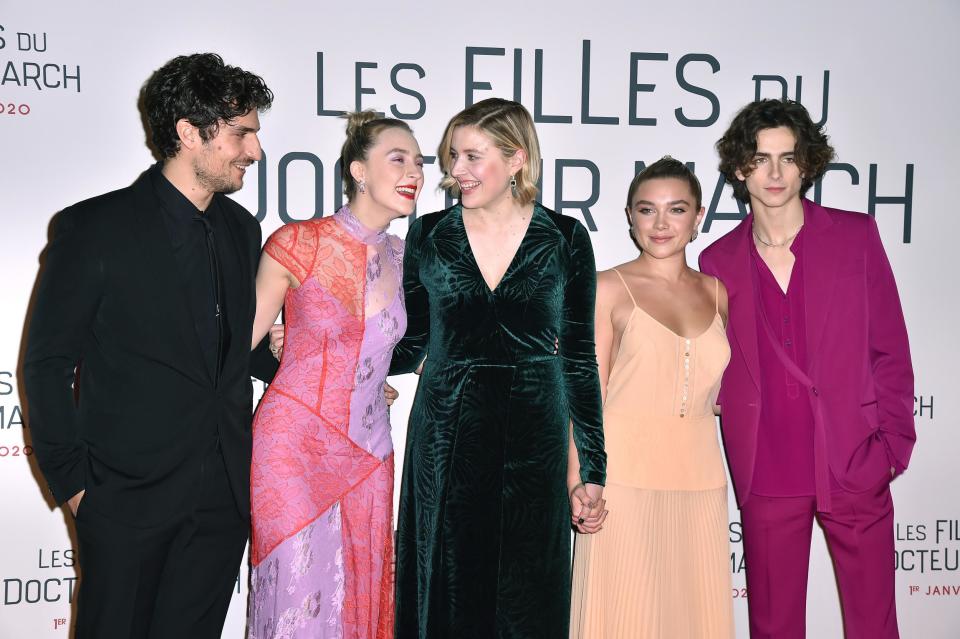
(685,388)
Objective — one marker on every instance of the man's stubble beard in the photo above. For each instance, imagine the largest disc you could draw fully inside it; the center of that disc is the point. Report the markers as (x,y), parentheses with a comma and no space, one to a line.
(215,183)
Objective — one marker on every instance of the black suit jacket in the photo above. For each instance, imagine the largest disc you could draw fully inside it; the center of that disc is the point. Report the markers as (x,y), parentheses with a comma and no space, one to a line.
(110,304)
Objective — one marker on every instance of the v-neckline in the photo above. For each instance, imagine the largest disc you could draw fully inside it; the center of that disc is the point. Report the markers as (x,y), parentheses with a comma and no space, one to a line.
(513,259)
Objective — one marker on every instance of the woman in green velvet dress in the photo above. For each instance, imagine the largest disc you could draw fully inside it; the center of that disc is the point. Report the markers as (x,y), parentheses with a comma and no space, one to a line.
(500,301)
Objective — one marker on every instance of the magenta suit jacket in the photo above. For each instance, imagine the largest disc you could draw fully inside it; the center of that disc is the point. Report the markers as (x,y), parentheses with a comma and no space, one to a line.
(859,357)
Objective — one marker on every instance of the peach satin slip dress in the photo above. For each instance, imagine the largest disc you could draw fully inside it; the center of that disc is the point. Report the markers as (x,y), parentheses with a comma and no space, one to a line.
(661,565)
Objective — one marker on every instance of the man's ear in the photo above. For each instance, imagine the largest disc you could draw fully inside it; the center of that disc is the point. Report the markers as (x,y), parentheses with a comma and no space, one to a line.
(189,134)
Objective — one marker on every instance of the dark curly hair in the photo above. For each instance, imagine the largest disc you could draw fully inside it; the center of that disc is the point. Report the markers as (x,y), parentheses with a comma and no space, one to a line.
(202,89)
(739,144)
(666,167)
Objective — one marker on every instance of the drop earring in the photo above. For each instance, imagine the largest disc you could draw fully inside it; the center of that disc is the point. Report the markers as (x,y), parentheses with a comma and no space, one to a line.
(362,186)
(513,185)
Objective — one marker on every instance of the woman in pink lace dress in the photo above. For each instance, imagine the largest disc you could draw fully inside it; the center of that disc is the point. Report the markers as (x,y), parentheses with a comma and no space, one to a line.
(322,473)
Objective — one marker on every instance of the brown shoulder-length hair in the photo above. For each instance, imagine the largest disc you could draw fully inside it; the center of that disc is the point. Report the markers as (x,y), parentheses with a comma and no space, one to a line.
(739,144)
(511,128)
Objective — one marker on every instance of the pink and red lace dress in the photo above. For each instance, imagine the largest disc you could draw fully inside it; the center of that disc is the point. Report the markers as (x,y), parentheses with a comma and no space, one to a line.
(322,473)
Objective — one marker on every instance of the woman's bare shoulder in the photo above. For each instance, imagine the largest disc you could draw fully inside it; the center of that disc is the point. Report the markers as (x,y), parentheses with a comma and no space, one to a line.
(611,286)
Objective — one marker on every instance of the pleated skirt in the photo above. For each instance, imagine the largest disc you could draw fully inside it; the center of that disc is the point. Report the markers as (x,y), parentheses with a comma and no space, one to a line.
(659,569)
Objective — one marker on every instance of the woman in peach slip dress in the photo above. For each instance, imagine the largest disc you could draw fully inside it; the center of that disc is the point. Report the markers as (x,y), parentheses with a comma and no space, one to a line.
(659,567)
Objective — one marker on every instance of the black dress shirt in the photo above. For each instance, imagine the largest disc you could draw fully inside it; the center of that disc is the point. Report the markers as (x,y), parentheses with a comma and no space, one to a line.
(199,247)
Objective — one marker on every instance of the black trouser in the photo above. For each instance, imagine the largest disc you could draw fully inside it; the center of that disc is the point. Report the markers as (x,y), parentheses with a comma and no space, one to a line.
(170,581)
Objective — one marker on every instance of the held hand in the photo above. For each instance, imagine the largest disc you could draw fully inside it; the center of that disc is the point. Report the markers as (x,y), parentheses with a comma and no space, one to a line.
(276,340)
(390,393)
(587,507)
(74,502)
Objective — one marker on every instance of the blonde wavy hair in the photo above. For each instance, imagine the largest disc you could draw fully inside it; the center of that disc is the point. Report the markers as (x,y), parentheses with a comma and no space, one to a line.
(509,125)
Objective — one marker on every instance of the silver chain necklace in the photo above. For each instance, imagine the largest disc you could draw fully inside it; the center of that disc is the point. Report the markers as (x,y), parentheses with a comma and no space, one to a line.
(775,245)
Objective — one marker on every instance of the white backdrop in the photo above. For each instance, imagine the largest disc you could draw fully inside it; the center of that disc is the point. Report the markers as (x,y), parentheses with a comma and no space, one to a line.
(612,84)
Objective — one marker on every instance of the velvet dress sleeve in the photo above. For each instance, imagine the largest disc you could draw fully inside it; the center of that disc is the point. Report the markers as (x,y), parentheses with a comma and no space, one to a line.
(578,350)
(411,350)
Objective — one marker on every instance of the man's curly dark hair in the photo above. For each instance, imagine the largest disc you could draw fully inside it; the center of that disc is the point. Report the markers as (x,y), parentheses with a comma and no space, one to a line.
(205,91)
(739,144)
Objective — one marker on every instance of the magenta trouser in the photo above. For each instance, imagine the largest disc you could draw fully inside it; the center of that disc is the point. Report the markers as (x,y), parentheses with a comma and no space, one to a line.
(859,533)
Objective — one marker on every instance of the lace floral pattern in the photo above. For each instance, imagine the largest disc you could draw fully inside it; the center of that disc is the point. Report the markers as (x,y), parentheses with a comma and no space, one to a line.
(322,473)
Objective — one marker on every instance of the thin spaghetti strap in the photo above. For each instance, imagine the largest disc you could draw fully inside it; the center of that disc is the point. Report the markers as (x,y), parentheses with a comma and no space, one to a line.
(716,295)
(625,285)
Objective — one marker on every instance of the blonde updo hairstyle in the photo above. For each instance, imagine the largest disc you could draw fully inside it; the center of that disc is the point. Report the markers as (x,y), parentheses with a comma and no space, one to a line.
(509,125)
(363,129)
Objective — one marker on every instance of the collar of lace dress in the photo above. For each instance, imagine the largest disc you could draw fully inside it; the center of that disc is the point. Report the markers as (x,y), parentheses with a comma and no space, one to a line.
(356,229)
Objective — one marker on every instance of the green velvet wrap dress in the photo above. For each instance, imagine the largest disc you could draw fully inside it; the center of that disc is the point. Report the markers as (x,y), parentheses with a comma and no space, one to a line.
(483,547)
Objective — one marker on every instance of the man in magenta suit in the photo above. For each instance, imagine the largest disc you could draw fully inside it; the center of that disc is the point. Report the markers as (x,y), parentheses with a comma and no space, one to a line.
(817,401)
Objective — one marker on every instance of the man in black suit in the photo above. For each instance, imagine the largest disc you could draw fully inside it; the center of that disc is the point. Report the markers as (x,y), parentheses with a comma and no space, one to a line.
(138,364)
